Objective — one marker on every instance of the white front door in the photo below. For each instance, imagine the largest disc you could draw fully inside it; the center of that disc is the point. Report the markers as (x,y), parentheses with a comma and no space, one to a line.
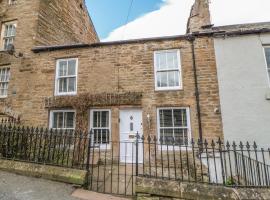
(130,125)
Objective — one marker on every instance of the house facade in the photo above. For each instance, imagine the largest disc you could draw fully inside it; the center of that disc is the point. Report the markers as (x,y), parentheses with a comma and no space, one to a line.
(243,61)
(66,79)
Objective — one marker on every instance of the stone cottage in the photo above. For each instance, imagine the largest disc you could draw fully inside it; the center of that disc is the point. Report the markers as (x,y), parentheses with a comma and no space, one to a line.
(55,73)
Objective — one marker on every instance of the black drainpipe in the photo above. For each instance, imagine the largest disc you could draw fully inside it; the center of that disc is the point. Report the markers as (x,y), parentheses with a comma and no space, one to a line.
(192,38)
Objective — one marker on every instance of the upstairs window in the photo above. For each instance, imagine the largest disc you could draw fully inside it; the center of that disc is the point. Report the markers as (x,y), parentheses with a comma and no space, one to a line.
(4,80)
(66,77)
(167,70)
(62,119)
(8,34)
(267,55)
(174,126)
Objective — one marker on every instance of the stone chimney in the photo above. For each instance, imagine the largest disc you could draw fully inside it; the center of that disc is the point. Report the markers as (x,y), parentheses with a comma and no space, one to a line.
(199,16)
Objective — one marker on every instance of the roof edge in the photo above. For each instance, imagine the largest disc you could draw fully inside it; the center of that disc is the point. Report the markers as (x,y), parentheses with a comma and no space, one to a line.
(207,33)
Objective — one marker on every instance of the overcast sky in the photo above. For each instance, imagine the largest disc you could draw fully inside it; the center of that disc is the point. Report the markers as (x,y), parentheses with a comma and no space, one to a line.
(169,17)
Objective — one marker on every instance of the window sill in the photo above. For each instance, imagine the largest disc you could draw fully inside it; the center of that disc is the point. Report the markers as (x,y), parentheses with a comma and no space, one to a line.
(103,147)
(175,148)
(168,89)
(66,94)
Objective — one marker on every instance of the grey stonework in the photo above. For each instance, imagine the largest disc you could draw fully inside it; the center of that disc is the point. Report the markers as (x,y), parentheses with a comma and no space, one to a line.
(157,189)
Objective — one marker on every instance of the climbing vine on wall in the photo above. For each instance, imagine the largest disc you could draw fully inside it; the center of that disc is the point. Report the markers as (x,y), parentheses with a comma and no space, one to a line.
(82,102)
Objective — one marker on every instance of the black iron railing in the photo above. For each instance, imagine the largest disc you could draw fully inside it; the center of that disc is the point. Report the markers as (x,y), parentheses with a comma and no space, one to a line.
(37,145)
(10,121)
(114,165)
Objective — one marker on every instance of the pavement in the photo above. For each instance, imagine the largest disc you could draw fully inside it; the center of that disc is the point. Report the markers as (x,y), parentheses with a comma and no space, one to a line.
(16,187)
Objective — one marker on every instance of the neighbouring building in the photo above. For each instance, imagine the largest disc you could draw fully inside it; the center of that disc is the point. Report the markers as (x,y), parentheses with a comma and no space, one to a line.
(243,63)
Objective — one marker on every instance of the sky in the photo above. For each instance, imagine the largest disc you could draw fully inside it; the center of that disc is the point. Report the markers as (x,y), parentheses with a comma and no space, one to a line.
(155,18)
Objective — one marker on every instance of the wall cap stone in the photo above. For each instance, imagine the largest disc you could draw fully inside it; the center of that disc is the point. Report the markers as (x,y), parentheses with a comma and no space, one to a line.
(195,191)
(66,175)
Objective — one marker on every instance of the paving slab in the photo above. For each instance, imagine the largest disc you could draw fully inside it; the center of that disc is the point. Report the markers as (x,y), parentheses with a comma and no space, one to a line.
(89,195)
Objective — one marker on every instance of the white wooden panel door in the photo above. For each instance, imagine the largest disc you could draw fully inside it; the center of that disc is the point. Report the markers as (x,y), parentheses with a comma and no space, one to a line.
(130,124)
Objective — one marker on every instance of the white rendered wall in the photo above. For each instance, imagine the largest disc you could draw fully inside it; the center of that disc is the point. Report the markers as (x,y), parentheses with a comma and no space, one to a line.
(243,86)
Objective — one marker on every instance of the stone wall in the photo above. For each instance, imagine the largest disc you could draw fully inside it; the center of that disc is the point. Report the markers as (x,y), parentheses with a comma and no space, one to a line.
(25,12)
(157,189)
(48,22)
(64,22)
(118,68)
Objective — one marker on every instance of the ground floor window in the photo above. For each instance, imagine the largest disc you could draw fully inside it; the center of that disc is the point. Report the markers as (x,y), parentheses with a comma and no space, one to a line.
(174,125)
(4,81)
(62,119)
(100,124)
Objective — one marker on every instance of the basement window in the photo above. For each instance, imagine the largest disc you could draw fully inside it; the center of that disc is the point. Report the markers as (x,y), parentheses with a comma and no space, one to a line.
(8,34)
(174,126)
(4,81)
(267,55)
(62,119)
(100,124)
(167,70)
(66,77)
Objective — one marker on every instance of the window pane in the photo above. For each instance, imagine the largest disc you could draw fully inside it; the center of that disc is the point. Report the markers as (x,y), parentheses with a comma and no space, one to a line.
(105,136)
(105,119)
(172,60)
(267,54)
(95,119)
(162,79)
(71,84)
(171,79)
(181,136)
(180,117)
(72,67)
(167,135)
(63,85)
(58,120)
(62,71)
(69,120)
(165,117)
(162,64)
(13,31)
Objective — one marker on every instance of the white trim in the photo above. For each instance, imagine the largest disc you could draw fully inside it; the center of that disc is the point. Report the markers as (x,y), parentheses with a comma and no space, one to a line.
(63,111)
(56,92)
(180,87)
(170,148)
(101,146)
(266,65)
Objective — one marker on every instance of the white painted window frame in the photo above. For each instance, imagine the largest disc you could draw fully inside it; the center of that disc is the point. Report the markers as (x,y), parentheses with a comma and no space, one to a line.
(101,146)
(7,82)
(56,92)
(3,28)
(180,87)
(170,147)
(11,2)
(63,111)
(266,65)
